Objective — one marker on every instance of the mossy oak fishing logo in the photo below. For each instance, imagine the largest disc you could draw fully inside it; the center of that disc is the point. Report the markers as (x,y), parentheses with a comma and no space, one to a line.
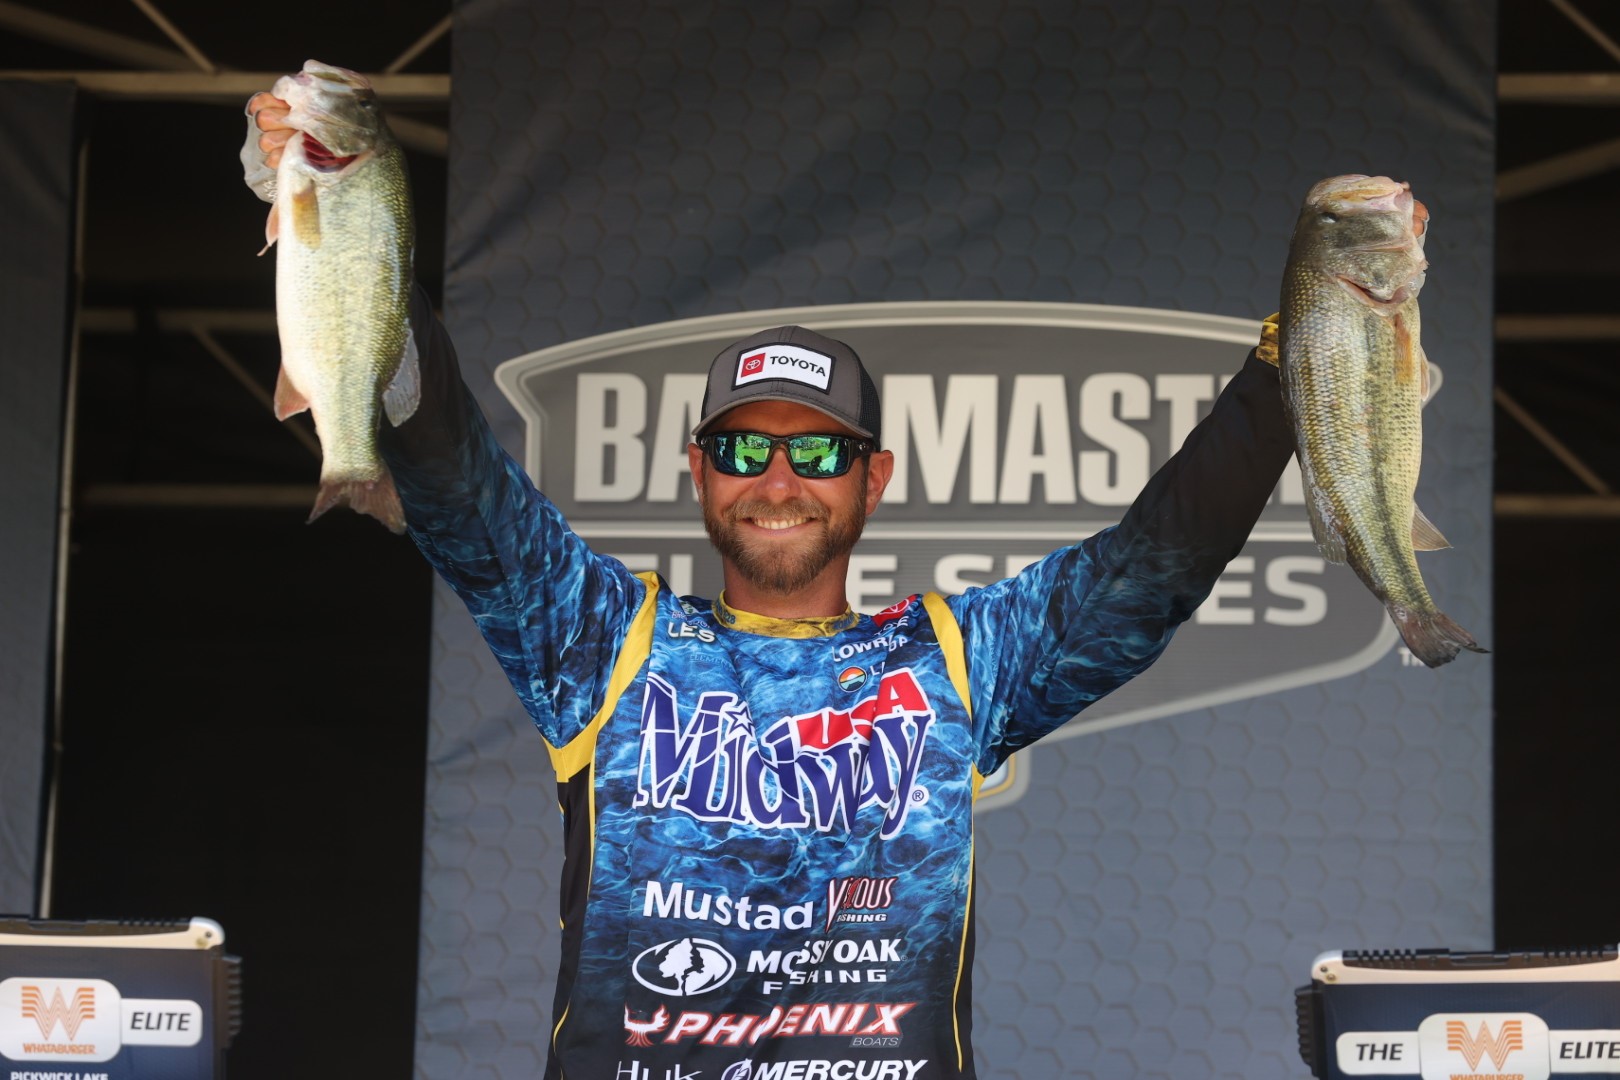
(1016,429)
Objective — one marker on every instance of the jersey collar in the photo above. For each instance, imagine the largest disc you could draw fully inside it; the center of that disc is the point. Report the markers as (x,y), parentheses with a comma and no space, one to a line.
(750,623)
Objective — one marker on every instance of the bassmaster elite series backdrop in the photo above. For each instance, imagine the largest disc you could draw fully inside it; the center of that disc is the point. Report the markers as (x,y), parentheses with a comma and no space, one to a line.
(1050,230)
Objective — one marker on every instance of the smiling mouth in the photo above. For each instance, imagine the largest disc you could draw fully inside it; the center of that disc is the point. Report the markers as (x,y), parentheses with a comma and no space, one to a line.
(777,524)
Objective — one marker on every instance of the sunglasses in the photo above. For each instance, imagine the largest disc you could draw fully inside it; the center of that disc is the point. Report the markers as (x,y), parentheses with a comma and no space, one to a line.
(814,457)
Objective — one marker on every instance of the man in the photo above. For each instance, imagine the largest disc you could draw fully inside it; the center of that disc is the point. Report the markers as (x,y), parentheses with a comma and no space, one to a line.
(768,797)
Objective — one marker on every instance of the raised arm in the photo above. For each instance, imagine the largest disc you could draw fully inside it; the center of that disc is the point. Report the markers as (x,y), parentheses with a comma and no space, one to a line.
(1045,644)
(553,612)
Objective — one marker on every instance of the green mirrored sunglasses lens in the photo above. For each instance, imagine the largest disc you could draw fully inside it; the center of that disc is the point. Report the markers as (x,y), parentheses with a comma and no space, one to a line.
(748,453)
(817,455)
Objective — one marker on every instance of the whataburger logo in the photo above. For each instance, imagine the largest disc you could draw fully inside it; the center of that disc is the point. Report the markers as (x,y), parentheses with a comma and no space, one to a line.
(1473,1045)
(1478,1046)
(87,1020)
(57,1011)
(1017,428)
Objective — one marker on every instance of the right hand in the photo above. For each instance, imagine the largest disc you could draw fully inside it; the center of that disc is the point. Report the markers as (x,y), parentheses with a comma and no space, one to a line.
(268,132)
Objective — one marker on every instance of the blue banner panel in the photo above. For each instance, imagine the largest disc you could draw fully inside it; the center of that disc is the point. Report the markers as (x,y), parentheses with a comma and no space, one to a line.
(1051,230)
(37,144)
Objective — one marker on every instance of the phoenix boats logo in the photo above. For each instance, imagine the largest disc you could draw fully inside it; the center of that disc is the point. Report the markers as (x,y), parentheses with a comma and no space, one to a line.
(864,1021)
(815,770)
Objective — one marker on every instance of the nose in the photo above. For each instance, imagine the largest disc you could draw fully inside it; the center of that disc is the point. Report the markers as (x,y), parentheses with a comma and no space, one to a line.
(779,480)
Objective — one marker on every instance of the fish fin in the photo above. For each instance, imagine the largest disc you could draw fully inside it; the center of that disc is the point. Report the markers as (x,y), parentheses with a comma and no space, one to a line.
(1425,536)
(376,497)
(272,230)
(1433,638)
(306,215)
(1430,382)
(404,393)
(290,401)
(1329,541)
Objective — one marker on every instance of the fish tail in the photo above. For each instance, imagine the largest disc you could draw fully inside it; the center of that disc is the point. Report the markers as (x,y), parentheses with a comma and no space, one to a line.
(1432,636)
(375,496)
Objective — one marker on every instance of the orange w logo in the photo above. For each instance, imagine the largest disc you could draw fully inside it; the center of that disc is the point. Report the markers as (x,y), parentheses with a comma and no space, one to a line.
(1475,1046)
(58,1011)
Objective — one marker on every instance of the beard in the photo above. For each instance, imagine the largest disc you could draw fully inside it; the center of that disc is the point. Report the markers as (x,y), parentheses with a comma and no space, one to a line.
(786,567)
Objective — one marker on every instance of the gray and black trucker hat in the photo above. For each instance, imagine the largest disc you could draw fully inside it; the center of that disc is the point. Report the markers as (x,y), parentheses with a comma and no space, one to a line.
(790,363)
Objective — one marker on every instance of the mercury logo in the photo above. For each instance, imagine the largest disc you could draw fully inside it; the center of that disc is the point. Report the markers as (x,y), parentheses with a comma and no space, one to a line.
(57,1011)
(1475,1045)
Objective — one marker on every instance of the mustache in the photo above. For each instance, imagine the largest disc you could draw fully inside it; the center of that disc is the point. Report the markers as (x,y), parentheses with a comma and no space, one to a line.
(759,508)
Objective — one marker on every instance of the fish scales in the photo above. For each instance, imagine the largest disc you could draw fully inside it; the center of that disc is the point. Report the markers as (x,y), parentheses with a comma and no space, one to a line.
(1354,380)
(343,225)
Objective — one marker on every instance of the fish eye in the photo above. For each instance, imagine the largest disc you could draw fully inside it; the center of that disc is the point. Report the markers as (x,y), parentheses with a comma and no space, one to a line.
(1329,218)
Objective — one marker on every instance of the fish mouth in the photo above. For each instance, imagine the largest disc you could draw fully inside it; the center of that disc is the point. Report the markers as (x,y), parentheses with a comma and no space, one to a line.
(1382,304)
(1356,193)
(321,158)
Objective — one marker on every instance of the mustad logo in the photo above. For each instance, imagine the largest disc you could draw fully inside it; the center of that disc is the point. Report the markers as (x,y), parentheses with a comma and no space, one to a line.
(784,362)
(677,900)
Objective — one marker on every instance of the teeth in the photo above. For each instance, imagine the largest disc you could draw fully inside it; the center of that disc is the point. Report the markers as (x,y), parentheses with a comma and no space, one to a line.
(785,523)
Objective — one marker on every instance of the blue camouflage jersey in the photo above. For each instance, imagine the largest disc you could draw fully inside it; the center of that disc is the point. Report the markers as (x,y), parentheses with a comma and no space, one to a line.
(769,828)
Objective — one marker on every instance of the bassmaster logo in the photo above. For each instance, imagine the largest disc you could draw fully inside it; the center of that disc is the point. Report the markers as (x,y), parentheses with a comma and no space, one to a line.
(880,1020)
(814,770)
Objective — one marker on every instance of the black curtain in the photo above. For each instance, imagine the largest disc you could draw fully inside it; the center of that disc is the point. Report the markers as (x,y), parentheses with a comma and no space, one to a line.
(37,145)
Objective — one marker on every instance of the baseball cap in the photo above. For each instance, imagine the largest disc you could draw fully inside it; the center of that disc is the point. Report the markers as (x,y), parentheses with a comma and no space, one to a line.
(790,363)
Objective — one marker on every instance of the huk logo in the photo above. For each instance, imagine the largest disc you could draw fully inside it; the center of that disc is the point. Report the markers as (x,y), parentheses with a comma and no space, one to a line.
(823,766)
(47,1014)
(1473,1045)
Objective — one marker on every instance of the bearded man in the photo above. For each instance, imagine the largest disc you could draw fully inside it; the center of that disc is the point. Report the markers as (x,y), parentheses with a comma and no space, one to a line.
(770,775)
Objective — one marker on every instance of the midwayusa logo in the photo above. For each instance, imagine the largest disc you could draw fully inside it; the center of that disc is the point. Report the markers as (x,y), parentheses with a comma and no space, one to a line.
(1017,428)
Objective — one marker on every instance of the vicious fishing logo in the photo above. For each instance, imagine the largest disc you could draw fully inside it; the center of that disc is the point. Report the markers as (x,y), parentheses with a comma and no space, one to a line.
(816,769)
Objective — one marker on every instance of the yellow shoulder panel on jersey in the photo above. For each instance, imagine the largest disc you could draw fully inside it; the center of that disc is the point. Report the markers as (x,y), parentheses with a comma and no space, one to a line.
(949,634)
(568,760)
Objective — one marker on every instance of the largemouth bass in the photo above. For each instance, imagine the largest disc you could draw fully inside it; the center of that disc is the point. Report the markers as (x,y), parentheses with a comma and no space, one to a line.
(1354,382)
(345,237)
